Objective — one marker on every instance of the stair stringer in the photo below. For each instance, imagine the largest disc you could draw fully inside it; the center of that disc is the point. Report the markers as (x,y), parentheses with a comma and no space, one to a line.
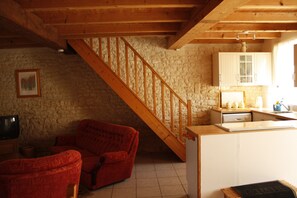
(124,92)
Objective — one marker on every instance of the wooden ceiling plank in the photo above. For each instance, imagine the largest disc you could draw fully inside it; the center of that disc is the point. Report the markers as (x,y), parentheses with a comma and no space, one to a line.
(87,4)
(225,41)
(210,15)
(16,19)
(234,35)
(270,3)
(258,27)
(113,16)
(117,28)
(261,17)
(99,34)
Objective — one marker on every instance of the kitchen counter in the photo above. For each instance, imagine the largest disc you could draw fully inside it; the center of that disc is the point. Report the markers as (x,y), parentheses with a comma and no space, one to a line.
(203,130)
(292,115)
(218,159)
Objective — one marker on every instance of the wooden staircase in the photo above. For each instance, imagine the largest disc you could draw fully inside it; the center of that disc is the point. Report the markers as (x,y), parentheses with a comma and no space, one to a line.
(141,88)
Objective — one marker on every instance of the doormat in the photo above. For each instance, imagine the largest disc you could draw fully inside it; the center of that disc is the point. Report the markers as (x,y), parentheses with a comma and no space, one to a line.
(271,189)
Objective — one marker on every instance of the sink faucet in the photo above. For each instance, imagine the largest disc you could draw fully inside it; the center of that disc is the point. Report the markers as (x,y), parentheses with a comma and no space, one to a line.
(286,107)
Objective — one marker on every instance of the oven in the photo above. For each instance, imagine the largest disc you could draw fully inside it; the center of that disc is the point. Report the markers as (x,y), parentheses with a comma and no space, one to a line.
(236,117)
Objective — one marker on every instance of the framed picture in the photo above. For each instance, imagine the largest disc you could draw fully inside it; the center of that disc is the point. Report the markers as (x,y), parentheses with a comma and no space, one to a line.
(27,83)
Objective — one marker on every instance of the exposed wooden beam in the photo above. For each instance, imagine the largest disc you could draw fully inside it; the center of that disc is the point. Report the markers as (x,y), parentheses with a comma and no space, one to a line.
(234,35)
(225,41)
(210,15)
(114,16)
(142,34)
(16,19)
(261,17)
(258,27)
(87,4)
(269,4)
(116,29)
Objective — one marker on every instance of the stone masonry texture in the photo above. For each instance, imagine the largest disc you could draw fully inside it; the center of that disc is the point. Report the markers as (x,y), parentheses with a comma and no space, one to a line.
(71,91)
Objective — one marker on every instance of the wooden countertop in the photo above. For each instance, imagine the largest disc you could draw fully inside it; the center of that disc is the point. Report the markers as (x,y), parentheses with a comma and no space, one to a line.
(292,115)
(214,130)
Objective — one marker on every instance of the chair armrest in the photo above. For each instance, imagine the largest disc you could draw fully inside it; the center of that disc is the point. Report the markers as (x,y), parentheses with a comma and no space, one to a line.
(65,140)
(113,157)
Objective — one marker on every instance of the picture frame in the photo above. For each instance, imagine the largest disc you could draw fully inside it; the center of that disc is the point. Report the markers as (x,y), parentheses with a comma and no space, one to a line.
(28,83)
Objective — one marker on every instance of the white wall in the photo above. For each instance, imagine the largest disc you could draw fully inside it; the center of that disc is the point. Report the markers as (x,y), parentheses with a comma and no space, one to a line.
(283,70)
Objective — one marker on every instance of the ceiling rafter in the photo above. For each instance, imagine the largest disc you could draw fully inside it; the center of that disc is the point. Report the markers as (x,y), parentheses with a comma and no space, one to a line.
(257,27)
(181,20)
(210,15)
(87,4)
(112,29)
(234,35)
(261,17)
(96,16)
(16,19)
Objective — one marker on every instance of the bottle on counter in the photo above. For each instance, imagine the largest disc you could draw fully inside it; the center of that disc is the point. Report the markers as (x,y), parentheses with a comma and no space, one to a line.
(241,105)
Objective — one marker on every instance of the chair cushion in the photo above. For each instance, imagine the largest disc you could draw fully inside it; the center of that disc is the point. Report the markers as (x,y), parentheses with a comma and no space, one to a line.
(90,160)
(18,166)
(84,153)
(99,137)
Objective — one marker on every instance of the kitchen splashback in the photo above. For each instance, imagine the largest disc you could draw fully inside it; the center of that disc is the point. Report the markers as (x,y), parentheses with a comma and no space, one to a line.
(231,97)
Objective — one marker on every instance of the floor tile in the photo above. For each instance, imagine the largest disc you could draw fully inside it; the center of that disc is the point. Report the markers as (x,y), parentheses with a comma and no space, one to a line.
(145,167)
(106,193)
(179,165)
(149,192)
(183,179)
(153,175)
(124,193)
(128,183)
(181,172)
(172,190)
(166,173)
(146,174)
(147,182)
(164,166)
(169,181)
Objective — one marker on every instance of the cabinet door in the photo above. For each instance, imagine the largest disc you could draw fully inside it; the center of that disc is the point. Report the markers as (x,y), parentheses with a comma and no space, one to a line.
(263,117)
(262,67)
(228,69)
(246,69)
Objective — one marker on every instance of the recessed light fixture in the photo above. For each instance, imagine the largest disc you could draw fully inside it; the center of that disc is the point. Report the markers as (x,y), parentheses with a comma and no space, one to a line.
(61,50)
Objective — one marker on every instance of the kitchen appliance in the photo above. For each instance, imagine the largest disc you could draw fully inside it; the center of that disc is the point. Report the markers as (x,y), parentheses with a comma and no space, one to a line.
(236,117)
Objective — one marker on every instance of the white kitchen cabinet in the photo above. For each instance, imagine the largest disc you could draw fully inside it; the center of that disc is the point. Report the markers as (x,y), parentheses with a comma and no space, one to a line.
(241,68)
(262,71)
(225,69)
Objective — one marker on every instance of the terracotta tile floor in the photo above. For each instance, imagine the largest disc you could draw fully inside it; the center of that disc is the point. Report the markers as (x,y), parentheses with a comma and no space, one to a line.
(154,175)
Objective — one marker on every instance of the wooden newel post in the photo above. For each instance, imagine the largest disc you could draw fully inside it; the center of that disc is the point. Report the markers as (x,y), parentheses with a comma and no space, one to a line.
(189,109)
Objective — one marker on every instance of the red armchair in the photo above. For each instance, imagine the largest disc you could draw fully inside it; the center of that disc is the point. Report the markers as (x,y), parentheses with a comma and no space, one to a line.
(46,177)
(108,151)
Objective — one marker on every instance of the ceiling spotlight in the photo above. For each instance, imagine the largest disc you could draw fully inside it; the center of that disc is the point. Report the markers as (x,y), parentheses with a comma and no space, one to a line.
(237,37)
(254,37)
(61,50)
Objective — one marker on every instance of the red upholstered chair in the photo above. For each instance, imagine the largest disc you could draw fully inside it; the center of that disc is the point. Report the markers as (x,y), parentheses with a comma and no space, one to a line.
(108,151)
(44,177)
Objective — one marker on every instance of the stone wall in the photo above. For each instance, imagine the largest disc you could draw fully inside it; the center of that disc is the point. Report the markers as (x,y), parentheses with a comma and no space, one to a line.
(71,91)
